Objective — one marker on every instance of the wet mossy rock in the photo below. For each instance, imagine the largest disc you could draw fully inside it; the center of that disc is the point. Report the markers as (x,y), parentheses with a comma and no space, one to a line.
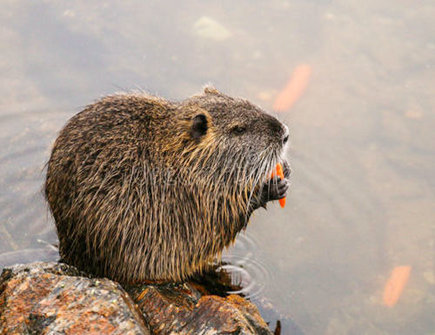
(52,298)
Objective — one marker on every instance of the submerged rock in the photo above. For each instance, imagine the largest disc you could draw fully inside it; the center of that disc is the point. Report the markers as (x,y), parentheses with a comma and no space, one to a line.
(211,29)
(56,298)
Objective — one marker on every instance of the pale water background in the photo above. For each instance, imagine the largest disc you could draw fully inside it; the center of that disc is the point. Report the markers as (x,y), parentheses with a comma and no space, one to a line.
(362,151)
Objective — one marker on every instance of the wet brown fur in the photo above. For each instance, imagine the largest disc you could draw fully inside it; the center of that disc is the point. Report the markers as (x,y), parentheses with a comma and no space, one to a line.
(139,192)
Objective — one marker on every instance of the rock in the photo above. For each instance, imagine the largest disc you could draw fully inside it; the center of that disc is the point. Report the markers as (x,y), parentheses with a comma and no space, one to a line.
(51,298)
(183,309)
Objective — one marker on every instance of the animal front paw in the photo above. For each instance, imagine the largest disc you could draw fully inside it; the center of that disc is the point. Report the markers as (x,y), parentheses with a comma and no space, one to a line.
(275,189)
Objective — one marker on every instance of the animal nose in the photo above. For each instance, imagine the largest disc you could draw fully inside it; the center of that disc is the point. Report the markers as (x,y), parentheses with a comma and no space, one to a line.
(285,139)
(285,135)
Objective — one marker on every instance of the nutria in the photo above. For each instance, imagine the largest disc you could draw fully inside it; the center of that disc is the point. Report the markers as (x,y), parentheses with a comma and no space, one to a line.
(144,189)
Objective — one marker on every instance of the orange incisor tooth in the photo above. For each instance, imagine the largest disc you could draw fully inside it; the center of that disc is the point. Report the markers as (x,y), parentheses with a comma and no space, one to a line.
(280,173)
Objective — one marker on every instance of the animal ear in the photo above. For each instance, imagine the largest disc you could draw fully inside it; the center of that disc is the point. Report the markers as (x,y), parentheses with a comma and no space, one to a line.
(211,90)
(199,126)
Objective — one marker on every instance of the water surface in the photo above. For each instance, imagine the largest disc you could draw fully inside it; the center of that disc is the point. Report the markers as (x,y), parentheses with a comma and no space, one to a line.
(362,199)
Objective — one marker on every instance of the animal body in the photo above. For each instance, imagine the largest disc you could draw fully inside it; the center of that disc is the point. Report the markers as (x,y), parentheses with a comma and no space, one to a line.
(144,189)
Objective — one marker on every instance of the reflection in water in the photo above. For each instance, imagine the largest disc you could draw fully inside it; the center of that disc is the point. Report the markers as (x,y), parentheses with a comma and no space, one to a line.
(362,152)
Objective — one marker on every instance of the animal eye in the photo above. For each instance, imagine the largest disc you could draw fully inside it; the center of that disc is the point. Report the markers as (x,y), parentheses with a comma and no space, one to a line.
(238,129)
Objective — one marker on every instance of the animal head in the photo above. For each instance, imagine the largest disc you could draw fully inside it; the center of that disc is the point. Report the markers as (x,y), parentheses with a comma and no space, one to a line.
(230,139)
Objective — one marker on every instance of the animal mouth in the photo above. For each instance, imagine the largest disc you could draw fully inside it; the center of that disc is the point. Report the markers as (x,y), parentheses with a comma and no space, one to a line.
(268,162)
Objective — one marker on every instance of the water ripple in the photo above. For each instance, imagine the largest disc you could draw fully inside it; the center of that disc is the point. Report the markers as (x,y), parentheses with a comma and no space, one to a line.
(246,269)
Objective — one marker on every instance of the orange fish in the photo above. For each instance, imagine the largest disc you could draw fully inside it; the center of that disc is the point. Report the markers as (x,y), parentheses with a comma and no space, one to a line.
(395,284)
(293,90)
(280,173)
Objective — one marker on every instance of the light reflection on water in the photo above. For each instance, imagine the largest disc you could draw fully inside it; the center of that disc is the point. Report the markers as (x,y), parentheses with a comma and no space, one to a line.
(362,152)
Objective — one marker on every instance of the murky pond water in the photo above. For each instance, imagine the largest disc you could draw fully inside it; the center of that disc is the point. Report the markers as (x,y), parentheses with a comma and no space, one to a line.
(362,200)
